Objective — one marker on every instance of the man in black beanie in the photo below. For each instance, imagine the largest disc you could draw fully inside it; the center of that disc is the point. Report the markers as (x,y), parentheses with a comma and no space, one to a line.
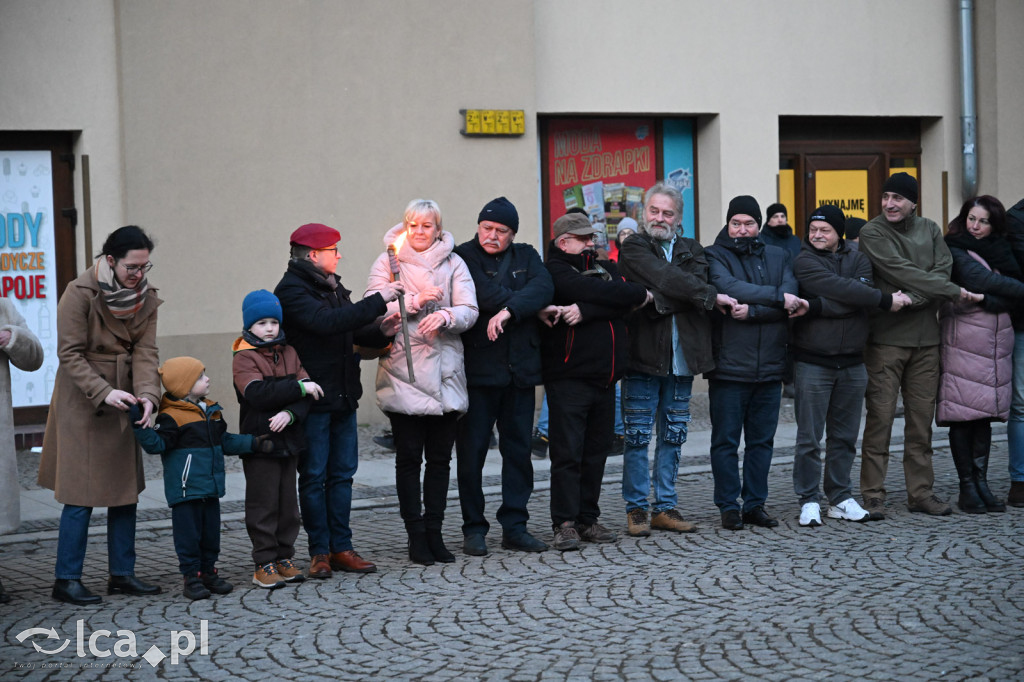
(828,348)
(503,367)
(908,254)
(749,345)
(777,232)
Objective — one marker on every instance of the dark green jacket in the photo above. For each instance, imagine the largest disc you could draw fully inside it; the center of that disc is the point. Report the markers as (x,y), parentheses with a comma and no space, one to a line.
(909,256)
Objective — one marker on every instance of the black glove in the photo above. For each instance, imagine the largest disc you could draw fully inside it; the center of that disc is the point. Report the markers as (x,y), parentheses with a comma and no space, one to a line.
(134,413)
(263,444)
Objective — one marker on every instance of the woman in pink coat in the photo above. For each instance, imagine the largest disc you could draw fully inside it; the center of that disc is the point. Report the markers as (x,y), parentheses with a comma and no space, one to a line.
(977,346)
(441,303)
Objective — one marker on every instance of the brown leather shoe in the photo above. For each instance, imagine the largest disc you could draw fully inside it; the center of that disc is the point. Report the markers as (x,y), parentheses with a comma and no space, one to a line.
(351,562)
(319,566)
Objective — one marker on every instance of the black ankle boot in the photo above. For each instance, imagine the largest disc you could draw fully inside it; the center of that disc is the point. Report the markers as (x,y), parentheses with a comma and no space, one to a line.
(419,550)
(74,592)
(982,447)
(436,544)
(961,446)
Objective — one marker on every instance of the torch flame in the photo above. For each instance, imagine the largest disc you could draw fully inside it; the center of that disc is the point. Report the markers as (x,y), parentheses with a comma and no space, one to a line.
(397,245)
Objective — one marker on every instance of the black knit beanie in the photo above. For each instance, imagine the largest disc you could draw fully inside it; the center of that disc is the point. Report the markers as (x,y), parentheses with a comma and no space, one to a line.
(903,184)
(831,215)
(500,211)
(745,205)
(776,208)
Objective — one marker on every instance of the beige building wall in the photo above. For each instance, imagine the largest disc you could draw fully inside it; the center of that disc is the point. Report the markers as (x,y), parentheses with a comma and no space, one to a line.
(222,126)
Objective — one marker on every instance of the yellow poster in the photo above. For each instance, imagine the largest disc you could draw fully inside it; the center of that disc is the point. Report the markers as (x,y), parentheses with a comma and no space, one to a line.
(847,189)
(787,191)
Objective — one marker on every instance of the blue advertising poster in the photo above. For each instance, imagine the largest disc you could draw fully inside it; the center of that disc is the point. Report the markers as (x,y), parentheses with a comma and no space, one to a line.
(677,157)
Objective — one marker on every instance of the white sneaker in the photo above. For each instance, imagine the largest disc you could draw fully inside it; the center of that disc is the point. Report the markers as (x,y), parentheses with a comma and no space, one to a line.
(810,514)
(848,510)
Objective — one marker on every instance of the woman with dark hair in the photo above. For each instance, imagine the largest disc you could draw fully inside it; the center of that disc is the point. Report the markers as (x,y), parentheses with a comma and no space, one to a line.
(977,346)
(106,326)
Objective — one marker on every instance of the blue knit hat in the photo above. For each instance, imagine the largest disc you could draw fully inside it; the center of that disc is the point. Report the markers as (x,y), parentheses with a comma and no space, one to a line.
(258,305)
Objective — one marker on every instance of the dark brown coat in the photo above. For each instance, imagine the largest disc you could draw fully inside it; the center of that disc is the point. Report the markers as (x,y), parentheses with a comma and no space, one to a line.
(90,456)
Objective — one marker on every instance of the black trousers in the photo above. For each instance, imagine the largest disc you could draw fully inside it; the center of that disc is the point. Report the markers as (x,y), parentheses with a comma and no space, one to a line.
(271,507)
(580,428)
(196,529)
(419,438)
(512,408)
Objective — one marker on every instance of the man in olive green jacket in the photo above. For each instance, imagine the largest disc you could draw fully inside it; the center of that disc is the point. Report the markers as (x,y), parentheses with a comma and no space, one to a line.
(908,254)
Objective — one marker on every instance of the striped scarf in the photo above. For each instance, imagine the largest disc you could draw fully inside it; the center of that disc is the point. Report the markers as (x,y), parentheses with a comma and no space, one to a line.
(122,302)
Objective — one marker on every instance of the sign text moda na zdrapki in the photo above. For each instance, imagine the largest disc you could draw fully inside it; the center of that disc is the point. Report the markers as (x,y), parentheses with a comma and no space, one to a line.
(19,232)
(579,157)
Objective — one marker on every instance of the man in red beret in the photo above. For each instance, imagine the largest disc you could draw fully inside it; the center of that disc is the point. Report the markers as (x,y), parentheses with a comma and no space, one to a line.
(322,323)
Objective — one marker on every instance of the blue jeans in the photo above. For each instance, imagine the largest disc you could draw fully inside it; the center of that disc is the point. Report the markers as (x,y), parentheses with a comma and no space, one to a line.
(643,397)
(751,409)
(74,534)
(326,470)
(1015,427)
(832,398)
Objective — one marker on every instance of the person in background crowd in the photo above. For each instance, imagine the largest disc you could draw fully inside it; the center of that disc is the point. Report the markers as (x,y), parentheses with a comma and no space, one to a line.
(777,232)
(322,323)
(1015,427)
(669,342)
(749,346)
(106,326)
(977,346)
(18,347)
(828,347)
(907,254)
(584,352)
(502,355)
(853,226)
(441,303)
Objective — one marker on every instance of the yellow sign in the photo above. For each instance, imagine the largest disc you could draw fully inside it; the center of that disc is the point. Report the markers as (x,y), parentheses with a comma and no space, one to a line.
(787,191)
(493,122)
(847,189)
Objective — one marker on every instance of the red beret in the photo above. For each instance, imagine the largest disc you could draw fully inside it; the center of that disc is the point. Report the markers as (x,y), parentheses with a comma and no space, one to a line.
(315,236)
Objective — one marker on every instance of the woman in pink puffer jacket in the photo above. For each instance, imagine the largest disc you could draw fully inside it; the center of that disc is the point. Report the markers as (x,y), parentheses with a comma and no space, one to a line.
(441,303)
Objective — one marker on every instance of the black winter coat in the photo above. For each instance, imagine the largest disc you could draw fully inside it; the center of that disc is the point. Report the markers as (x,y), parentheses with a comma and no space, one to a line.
(841,291)
(597,349)
(524,289)
(322,323)
(681,290)
(754,349)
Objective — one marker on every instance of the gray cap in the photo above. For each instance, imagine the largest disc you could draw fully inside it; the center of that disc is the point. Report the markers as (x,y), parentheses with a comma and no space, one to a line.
(574,223)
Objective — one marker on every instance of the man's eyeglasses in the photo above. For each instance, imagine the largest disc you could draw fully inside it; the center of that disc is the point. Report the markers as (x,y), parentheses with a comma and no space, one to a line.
(329,248)
(137,269)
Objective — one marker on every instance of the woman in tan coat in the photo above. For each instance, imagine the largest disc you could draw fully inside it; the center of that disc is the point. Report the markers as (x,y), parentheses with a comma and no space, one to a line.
(106,325)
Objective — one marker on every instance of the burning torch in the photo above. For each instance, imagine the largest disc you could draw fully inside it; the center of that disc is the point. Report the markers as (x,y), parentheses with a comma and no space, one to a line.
(396,274)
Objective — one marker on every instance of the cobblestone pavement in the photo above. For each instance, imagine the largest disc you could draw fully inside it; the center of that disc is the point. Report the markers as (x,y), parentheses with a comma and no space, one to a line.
(909,598)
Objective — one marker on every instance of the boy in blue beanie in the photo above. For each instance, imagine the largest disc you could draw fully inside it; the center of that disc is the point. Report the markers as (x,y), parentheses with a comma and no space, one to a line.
(191,438)
(274,393)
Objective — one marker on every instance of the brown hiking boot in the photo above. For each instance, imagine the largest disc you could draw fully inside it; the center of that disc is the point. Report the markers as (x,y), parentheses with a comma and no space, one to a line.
(1016,496)
(636,521)
(930,505)
(595,532)
(671,520)
(566,537)
(875,508)
(267,577)
(287,569)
